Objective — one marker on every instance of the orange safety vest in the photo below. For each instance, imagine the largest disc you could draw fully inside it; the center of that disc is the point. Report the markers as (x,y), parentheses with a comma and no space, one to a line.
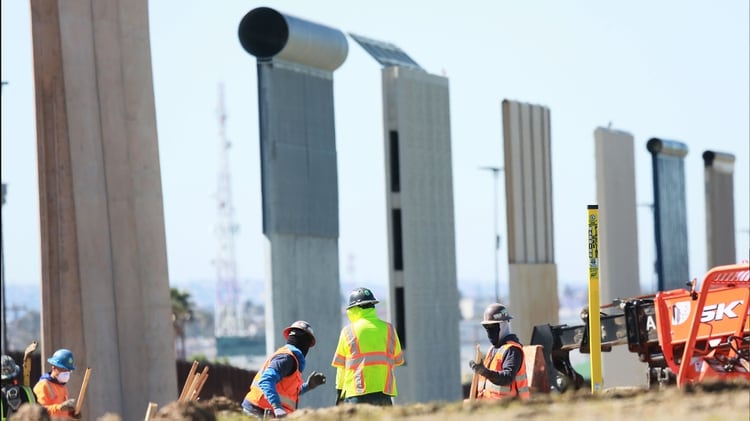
(494,361)
(288,387)
(51,396)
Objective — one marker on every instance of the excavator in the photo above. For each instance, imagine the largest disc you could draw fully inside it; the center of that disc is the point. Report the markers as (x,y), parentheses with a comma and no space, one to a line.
(685,335)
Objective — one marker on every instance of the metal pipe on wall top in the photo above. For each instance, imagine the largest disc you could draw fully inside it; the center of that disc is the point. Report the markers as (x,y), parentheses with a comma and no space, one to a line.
(267,33)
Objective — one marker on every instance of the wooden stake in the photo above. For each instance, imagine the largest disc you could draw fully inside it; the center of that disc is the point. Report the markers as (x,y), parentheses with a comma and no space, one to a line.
(151,411)
(197,391)
(27,363)
(188,382)
(82,394)
(194,385)
(475,376)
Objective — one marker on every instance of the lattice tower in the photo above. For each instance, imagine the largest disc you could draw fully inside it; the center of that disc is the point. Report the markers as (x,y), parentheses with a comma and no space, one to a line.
(226,321)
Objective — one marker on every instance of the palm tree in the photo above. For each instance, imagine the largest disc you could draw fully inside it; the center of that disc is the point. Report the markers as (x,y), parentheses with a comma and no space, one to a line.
(182,313)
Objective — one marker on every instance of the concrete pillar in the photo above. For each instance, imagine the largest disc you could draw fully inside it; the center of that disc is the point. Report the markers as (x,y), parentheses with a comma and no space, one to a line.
(528,190)
(299,179)
(105,287)
(720,231)
(618,243)
(615,193)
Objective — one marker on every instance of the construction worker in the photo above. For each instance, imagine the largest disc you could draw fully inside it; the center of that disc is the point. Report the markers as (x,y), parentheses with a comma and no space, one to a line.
(13,394)
(277,386)
(52,391)
(503,372)
(367,352)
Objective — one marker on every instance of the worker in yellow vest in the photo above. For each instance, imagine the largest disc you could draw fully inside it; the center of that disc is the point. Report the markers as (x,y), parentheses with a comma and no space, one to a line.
(503,372)
(14,393)
(277,386)
(368,350)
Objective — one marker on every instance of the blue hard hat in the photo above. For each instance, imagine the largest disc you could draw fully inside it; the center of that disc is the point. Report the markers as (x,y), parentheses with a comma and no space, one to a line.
(62,358)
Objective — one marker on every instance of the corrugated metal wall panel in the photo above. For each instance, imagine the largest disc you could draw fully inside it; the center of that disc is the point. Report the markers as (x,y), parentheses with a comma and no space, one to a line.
(528,194)
(298,150)
(670,213)
(528,183)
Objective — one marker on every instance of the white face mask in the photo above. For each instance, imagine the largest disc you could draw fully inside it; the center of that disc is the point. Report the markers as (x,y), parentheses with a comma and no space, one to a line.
(63,377)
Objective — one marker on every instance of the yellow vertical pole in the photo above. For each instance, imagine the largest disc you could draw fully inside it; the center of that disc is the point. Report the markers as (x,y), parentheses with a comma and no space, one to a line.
(595,338)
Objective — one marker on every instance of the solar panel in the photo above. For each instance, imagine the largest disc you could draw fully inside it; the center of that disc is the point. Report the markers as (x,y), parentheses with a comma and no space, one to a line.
(385,53)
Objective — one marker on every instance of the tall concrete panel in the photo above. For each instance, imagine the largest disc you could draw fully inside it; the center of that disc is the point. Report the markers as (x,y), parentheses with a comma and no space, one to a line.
(670,212)
(618,242)
(720,231)
(528,189)
(105,286)
(615,193)
(295,63)
(422,253)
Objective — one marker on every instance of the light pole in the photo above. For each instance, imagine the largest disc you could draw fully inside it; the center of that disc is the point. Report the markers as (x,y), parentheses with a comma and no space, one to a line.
(495,173)
(2,279)
(4,299)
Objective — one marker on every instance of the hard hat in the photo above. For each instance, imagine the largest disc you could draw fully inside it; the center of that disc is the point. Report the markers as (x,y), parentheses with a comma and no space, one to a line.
(361,296)
(10,369)
(495,313)
(303,326)
(62,358)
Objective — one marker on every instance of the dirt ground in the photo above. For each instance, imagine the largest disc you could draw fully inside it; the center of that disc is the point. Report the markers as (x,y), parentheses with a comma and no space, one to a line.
(719,401)
(714,402)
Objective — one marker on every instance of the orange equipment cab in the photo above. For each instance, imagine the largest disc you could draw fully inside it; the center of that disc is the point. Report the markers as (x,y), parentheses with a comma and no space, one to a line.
(706,334)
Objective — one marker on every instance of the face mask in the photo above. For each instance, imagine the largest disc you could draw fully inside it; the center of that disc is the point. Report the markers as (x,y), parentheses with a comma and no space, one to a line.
(492,334)
(63,377)
(504,329)
(497,331)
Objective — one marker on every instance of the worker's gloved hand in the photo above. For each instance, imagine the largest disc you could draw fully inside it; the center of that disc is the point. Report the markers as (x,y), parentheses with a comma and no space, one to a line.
(69,404)
(75,416)
(279,413)
(478,368)
(338,396)
(315,379)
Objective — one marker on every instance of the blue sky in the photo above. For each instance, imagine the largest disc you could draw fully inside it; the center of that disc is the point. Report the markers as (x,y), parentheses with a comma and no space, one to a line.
(672,69)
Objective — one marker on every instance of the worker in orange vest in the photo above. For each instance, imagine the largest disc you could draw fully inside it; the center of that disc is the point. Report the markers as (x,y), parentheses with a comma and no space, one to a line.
(52,391)
(278,384)
(503,372)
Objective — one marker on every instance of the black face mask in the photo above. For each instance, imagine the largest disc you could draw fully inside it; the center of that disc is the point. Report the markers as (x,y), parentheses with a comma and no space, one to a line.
(299,339)
(493,333)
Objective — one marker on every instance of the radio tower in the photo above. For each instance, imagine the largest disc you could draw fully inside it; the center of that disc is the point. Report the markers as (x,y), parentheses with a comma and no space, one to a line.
(226,323)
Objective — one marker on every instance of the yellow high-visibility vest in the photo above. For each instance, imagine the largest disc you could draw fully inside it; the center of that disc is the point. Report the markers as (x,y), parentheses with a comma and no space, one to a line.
(367,352)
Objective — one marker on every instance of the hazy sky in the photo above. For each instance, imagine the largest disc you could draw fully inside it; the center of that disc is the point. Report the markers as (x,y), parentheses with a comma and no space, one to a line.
(671,69)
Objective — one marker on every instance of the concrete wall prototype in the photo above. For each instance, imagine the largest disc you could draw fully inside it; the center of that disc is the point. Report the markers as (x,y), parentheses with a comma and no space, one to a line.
(528,187)
(720,231)
(615,193)
(105,287)
(295,62)
(422,254)
(618,242)
(670,212)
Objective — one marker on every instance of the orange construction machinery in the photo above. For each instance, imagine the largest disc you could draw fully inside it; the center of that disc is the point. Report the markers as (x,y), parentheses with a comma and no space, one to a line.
(684,335)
